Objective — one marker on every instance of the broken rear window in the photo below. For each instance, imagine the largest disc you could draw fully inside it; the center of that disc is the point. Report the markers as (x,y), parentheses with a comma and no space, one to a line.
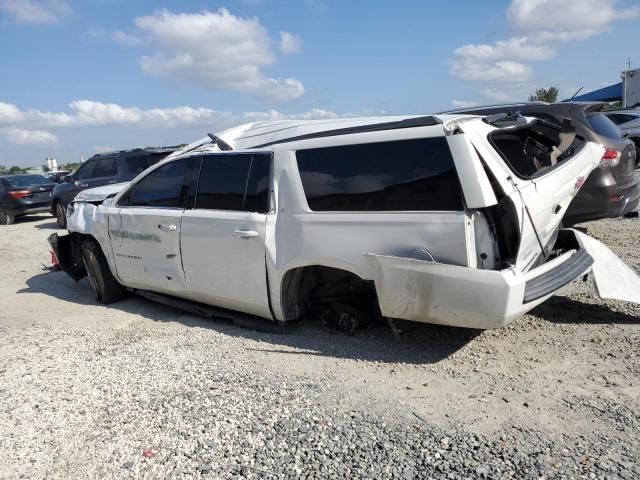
(533,149)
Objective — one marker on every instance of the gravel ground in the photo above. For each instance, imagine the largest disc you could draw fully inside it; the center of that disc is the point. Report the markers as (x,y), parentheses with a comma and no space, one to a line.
(138,390)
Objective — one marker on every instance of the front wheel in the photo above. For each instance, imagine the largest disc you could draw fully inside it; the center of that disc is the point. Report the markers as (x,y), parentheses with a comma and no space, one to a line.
(61,215)
(105,286)
(5,218)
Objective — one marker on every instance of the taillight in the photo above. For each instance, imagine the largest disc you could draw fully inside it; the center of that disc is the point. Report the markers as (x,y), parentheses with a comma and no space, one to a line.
(611,158)
(20,194)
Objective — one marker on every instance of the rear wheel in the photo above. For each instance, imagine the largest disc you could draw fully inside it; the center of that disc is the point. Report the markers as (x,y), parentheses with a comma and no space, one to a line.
(105,286)
(61,215)
(5,218)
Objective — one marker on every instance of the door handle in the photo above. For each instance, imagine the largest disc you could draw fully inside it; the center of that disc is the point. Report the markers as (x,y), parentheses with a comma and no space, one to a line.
(246,233)
(82,185)
(171,228)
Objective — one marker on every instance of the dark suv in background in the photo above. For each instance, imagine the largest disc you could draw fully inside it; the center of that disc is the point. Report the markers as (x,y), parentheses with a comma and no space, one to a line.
(104,169)
(612,189)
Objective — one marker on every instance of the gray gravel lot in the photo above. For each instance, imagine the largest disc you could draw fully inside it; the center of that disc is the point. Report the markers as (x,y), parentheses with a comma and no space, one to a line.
(138,390)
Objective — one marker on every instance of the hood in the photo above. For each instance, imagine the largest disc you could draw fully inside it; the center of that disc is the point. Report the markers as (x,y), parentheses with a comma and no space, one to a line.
(100,194)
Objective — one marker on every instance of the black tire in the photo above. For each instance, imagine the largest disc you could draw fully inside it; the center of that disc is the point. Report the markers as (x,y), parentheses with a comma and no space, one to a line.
(5,218)
(61,215)
(105,286)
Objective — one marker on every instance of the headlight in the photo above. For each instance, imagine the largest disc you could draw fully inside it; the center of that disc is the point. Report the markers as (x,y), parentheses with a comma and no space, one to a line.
(70,209)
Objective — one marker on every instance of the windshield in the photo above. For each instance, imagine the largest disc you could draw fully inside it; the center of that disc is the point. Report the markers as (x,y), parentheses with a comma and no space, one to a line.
(602,125)
(27,180)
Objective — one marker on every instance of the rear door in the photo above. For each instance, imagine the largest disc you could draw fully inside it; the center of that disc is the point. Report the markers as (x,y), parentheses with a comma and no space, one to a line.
(223,236)
(145,229)
(542,189)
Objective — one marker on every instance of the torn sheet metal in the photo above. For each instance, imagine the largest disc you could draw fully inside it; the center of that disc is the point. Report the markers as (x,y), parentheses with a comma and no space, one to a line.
(612,278)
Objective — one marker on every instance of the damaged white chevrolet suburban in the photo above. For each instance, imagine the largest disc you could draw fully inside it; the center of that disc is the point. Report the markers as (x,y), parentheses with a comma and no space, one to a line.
(453,220)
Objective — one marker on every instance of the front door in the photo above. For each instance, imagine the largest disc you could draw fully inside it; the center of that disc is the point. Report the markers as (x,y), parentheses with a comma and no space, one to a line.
(223,236)
(145,231)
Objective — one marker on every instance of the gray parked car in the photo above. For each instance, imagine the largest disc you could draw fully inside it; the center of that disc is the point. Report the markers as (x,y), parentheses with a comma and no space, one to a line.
(628,121)
(612,190)
(103,169)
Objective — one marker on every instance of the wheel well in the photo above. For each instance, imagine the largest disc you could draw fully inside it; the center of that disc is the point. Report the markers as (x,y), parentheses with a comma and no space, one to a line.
(307,289)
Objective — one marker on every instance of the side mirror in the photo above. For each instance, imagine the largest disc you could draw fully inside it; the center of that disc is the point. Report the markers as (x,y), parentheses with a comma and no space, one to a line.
(67,179)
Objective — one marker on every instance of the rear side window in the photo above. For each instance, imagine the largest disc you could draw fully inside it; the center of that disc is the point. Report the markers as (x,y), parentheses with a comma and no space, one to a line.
(234,182)
(406,175)
(106,167)
(164,187)
(602,125)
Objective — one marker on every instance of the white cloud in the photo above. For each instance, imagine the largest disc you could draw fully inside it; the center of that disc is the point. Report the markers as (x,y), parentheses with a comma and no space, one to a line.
(290,43)
(9,113)
(104,149)
(501,62)
(90,113)
(36,11)
(464,103)
(39,138)
(271,115)
(216,50)
(127,39)
(567,19)
(540,25)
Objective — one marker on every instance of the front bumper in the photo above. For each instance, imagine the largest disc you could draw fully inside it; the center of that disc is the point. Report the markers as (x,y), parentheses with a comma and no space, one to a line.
(458,296)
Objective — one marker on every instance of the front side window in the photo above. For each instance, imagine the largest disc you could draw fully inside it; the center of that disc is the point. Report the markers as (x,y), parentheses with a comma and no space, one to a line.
(405,175)
(85,172)
(139,163)
(164,187)
(106,167)
(238,182)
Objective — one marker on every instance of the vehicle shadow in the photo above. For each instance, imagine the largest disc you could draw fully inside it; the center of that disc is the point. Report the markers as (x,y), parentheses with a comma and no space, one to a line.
(33,219)
(559,309)
(48,226)
(419,344)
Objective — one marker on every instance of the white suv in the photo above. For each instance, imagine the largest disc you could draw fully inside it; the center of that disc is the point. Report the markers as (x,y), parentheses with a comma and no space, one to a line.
(450,219)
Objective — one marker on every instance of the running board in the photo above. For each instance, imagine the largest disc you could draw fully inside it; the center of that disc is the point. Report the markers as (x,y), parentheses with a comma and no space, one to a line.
(240,319)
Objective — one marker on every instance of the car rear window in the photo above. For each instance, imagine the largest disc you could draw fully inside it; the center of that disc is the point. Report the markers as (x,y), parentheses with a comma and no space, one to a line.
(602,125)
(534,149)
(27,180)
(405,175)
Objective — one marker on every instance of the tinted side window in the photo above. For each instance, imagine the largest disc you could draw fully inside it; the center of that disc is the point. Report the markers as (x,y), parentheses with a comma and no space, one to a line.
(106,167)
(406,175)
(139,163)
(85,171)
(164,187)
(223,180)
(257,196)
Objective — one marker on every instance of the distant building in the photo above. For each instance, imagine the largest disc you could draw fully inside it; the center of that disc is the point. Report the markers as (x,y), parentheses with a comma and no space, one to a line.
(631,88)
(627,91)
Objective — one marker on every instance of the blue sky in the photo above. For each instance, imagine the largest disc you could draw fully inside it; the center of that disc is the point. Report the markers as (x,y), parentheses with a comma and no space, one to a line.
(80,77)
